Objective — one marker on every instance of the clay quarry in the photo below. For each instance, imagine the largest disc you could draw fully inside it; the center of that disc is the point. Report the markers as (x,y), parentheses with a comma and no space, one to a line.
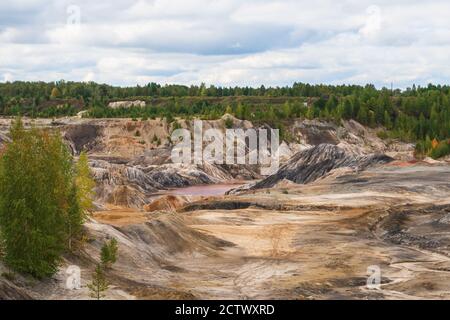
(342,202)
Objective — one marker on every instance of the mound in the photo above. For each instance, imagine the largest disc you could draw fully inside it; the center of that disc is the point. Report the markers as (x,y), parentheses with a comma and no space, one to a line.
(167,203)
(312,164)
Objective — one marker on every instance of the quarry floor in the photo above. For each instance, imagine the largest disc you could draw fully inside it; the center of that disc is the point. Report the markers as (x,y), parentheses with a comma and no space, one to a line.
(319,241)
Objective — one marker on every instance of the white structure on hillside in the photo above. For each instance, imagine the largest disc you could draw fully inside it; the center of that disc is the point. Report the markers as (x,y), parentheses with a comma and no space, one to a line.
(126,104)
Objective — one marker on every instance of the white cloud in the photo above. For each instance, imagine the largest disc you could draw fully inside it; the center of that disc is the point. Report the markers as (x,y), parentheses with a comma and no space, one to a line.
(227,42)
(7,77)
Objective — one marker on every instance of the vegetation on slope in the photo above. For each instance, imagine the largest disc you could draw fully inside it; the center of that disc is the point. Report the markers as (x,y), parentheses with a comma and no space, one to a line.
(418,115)
(41,201)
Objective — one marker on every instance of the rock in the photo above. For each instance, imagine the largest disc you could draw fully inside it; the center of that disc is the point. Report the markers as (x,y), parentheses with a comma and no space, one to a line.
(130,185)
(432,161)
(9,291)
(127,104)
(312,164)
(445,219)
(82,137)
(284,152)
(3,139)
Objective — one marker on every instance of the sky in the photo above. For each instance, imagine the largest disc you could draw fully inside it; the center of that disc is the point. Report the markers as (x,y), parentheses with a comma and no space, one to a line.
(226,42)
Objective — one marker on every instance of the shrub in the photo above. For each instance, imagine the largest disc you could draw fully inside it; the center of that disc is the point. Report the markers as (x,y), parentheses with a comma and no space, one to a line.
(382,135)
(441,150)
(108,253)
(99,283)
(228,123)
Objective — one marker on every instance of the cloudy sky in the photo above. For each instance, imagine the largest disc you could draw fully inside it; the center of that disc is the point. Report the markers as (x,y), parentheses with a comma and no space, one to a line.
(226,42)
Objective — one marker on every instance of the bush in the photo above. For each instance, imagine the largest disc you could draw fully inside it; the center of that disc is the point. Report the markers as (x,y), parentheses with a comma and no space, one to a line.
(383,135)
(108,253)
(176,125)
(229,123)
(442,150)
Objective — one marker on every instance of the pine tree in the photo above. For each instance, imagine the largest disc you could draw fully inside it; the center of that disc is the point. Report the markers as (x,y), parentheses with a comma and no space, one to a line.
(202,90)
(387,120)
(347,110)
(99,283)
(108,253)
(372,120)
(363,116)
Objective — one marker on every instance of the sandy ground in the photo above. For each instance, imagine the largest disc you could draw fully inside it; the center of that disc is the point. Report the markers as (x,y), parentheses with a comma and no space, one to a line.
(318,241)
(294,242)
(120,216)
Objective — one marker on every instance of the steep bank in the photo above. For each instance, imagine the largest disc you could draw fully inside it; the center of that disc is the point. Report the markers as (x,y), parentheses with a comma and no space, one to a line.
(314,163)
(131,159)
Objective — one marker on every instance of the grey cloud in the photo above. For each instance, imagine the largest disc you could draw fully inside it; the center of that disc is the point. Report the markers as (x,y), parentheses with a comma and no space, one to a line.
(229,42)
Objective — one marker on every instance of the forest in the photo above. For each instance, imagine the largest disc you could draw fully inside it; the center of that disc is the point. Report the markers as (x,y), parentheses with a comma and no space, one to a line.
(419,115)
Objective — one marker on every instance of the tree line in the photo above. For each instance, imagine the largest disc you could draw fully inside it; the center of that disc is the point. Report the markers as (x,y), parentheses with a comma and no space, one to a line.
(419,115)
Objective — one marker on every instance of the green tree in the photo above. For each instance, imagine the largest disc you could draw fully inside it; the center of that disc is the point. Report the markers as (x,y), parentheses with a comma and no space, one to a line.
(310,114)
(55,93)
(99,283)
(387,120)
(202,92)
(75,217)
(229,123)
(347,109)
(332,103)
(240,112)
(84,183)
(363,116)
(36,176)
(441,150)
(287,110)
(228,110)
(108,254)
(372,120)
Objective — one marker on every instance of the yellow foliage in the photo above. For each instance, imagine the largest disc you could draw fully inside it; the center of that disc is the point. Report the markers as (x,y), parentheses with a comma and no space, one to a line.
(434,143)
(84,183)
(55,93)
